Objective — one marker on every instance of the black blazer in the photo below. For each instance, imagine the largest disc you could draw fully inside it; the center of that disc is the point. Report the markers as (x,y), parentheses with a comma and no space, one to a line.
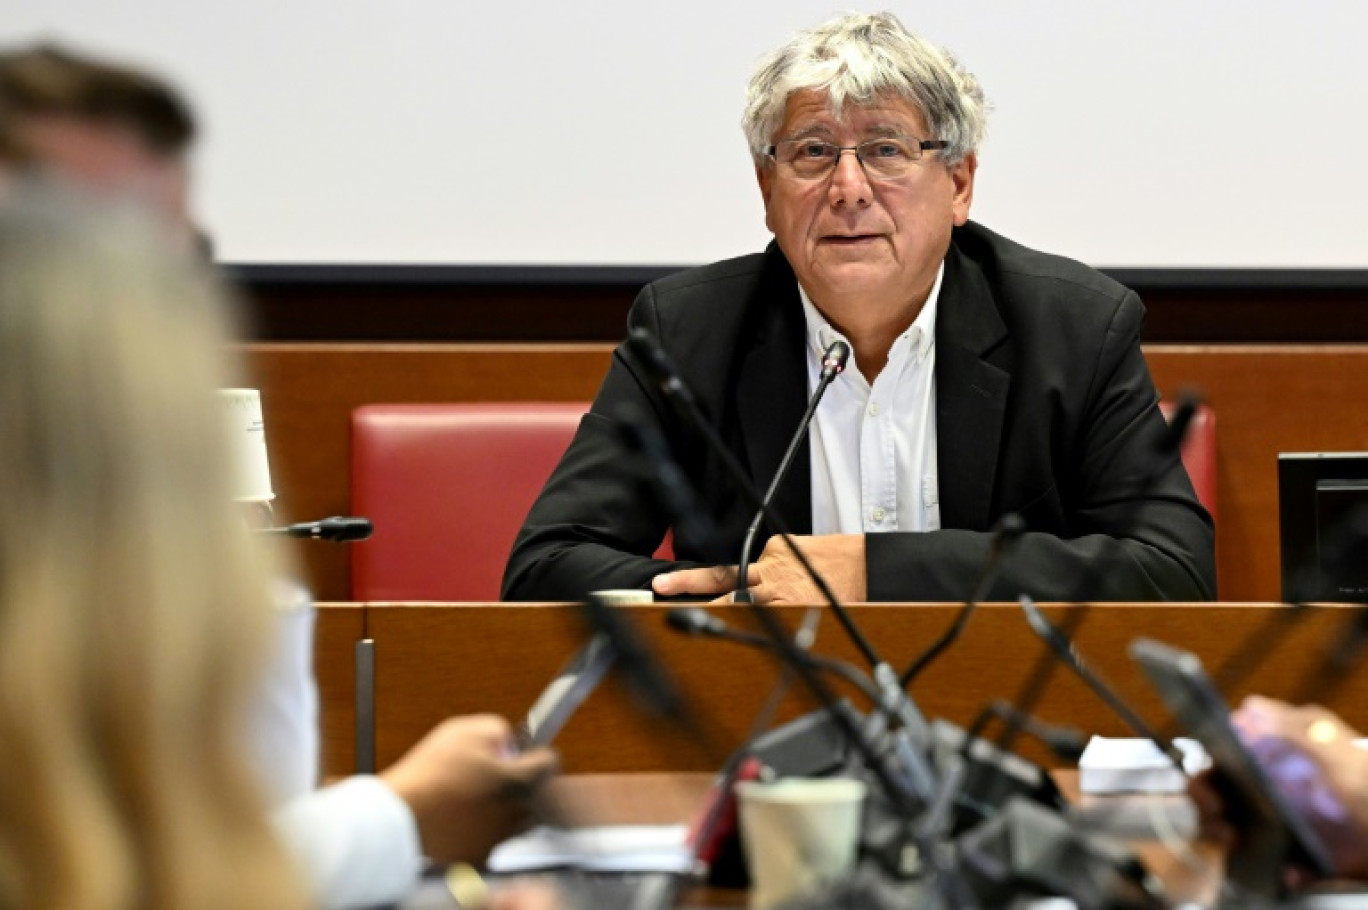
(1044,407)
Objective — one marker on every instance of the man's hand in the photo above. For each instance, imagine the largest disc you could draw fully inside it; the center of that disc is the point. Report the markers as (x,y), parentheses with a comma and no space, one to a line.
(467,789)
(706,582)
(778,577)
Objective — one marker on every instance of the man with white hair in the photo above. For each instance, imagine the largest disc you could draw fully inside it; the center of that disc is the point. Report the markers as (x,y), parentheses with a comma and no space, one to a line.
(985,379)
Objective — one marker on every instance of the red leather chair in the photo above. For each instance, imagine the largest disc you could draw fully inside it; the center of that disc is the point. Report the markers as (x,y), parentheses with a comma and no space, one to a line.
(448,486)
(1199,452)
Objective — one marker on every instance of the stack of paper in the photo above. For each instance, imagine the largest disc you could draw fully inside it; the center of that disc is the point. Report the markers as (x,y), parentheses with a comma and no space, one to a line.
(609,848)
(1136,766)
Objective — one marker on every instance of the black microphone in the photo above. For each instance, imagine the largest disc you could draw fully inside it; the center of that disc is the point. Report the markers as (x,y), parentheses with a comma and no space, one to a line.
(339,528)
(985,769)
(1033,688)
(1180,421)
(1017,813)
(833,364)
(650,355)
(636,663)
(1007,531)
(697,621)
(911,757)
(1063,648)
(1066,743)
(673,488)
(681,501)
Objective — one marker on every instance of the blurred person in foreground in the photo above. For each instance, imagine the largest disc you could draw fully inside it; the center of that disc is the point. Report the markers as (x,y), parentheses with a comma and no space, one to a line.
(111,129)
(985,378)
(136,616)
(121,135)
(133,605)
(1316,761)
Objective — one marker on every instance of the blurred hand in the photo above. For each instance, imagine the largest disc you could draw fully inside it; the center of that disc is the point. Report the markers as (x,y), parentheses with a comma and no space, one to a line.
(778,577)
(1309,754)
(524,895)
(467,787)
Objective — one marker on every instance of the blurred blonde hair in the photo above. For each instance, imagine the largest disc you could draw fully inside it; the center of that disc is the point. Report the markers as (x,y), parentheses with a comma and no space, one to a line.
(133,604)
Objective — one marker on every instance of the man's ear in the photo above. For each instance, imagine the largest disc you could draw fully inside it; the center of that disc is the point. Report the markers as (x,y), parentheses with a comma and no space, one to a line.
(962,175)
(764,176)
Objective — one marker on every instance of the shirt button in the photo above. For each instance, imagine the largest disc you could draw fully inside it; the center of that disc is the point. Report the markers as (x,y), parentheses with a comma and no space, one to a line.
(878,514)
(873,410)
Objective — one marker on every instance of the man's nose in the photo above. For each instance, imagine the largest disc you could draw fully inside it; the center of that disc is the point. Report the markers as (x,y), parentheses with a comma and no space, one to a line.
(849,182)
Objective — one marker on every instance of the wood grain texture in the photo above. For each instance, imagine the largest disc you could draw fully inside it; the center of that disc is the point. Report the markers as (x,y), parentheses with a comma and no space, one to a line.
(1267,399)
(437,660)
(339,628)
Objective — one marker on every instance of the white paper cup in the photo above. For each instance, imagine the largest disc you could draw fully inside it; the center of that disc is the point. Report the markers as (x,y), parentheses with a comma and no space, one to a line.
(247,434)
(621,597)
(798,834)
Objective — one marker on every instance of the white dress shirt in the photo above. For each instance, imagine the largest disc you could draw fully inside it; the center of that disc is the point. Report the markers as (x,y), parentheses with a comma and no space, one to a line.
(873,447)
(356,842)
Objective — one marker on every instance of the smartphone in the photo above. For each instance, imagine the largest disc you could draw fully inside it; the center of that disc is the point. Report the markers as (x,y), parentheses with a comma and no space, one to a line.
(566,692)
(1273,832)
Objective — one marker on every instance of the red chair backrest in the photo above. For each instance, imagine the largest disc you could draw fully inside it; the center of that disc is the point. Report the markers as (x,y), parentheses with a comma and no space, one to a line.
(448,486)
(1199,452)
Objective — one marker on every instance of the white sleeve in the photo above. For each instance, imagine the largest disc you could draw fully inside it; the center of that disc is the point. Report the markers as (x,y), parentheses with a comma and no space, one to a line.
(284,716)
(356,841)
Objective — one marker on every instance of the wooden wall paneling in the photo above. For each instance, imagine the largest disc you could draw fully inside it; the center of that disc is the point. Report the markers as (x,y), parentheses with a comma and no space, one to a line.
(436,660)
(339,627)
(1267,399)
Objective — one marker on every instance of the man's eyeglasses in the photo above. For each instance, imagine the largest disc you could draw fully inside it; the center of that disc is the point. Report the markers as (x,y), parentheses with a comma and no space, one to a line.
(887,157)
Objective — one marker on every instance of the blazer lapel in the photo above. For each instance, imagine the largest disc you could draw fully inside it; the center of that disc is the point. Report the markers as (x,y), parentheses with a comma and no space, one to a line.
(771,393)
(971,394)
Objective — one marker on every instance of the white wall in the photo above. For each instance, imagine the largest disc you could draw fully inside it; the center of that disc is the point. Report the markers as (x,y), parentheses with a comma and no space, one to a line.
(1223,133)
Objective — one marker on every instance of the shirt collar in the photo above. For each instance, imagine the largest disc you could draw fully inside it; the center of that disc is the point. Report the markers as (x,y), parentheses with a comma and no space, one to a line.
(920,335)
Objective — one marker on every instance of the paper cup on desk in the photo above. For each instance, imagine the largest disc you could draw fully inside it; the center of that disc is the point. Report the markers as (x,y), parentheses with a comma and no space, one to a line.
(798,834)
(623,597)
(247,435)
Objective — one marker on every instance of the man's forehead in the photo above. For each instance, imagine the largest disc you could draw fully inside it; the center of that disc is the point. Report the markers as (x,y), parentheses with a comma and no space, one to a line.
(811,111)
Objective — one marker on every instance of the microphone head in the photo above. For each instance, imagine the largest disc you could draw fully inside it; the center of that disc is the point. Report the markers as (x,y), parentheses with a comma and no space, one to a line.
(344,528)
(1178,425)
(649,354)
(835,358)
(339,529)
(1067,743)
(1010,526)
(692,621)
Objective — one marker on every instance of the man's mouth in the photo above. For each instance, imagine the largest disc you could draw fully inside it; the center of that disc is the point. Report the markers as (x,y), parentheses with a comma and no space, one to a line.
(849,239)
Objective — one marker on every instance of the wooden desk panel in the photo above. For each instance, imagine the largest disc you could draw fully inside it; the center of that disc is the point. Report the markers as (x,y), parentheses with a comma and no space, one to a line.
(436,660)
(338,629)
